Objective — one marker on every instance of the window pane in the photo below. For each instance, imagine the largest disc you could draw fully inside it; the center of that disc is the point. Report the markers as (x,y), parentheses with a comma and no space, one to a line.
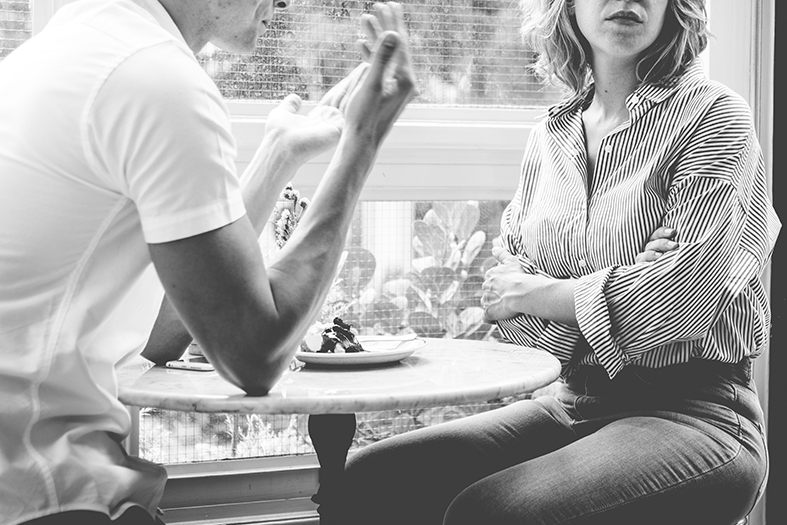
(466,53)
(16,22)
(170,437)
(412,266)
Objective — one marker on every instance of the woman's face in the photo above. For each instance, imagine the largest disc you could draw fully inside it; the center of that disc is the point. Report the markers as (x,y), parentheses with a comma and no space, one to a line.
(620,28)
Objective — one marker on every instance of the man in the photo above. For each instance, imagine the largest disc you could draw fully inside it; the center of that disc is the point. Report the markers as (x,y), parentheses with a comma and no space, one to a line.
(115,152)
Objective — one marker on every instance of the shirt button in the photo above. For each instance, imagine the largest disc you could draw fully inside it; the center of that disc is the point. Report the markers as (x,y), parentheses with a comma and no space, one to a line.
(582,263)
(607,149)
(634,99)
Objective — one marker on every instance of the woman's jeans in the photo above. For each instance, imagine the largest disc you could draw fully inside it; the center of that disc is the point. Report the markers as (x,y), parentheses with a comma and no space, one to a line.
(670,446)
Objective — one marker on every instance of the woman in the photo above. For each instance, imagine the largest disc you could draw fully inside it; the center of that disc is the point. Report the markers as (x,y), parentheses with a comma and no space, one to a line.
(656,419)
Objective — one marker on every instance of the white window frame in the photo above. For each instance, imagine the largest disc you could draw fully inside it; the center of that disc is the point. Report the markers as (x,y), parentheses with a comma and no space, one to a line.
(438,153)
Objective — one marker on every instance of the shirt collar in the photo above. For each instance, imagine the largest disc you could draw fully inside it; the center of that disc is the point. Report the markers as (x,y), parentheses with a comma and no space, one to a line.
(160,15)
(650,92)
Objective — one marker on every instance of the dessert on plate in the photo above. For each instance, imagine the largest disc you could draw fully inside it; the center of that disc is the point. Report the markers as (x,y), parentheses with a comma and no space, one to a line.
(337,337)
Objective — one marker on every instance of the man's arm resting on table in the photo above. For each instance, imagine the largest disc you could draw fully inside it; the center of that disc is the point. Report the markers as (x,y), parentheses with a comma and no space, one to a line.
(250,320)
(169,339)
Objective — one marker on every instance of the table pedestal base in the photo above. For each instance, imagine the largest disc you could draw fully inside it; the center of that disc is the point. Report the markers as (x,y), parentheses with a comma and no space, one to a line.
(331,435)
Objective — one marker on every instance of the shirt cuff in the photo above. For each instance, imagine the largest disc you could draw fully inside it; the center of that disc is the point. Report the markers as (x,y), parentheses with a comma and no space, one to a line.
(595,323)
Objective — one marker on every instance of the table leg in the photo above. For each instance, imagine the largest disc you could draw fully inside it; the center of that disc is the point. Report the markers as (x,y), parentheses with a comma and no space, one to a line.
(331,435)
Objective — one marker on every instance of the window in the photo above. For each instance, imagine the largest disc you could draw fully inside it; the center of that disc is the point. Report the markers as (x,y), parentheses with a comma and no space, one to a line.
(466,53)
(413,264)
(16,22)
(458,144)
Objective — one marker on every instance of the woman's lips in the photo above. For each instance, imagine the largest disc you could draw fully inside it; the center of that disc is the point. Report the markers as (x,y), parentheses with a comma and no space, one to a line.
(629,16)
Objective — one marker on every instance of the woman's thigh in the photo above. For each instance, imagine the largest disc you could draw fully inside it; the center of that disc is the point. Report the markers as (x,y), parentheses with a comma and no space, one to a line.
(412,478)
(644,470)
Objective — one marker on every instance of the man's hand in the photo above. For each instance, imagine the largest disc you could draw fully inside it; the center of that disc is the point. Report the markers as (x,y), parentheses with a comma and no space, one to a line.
(389,83)
(303,137)
(660,242)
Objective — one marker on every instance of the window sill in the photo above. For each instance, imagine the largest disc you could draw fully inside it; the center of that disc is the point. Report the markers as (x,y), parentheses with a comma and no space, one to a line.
(259,490)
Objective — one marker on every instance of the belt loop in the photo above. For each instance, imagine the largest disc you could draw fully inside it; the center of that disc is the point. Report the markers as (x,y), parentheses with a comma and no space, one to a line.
(748,369)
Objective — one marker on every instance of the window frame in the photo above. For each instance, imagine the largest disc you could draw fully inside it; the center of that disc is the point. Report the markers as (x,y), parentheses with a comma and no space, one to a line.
(461,153)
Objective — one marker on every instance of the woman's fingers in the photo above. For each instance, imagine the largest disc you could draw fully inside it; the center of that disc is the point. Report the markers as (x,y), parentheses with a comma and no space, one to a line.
(663,232)
(661,242)
(503,256)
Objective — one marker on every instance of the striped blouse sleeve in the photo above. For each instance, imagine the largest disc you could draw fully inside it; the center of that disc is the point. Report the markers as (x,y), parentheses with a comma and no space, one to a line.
(718,204)
(527,330)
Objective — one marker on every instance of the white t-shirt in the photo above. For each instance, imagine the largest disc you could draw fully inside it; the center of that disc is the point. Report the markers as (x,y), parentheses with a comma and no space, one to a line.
(111,137)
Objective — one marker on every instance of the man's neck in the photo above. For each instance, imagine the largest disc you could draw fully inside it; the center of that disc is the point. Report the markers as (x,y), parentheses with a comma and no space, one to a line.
(192,19)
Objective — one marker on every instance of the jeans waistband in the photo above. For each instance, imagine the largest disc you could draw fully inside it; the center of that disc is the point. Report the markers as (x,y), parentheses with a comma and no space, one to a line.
(593,380)
(696,381)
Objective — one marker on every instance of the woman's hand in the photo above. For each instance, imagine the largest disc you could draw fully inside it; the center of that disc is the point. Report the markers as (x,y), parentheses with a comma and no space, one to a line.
(660,242)
(504,285)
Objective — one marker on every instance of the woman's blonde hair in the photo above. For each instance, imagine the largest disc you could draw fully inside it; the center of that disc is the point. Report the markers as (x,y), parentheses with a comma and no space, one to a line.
(551,30)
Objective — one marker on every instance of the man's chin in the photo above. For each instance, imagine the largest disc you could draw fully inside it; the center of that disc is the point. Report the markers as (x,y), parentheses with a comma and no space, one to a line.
(243,47)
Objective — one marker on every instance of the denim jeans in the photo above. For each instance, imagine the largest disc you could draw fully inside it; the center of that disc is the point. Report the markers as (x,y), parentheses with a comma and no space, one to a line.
(670,446)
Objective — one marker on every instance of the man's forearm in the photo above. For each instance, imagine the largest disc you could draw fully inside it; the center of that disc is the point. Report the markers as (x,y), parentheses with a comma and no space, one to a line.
(169,338)
(269,171)
(307,264)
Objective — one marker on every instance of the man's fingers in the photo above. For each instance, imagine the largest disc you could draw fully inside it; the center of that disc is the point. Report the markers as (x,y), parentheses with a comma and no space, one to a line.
(341,92)
(363,47)
(291,103)
(357,78)
(398,18)
(386,15)
(387,44)
(372,28)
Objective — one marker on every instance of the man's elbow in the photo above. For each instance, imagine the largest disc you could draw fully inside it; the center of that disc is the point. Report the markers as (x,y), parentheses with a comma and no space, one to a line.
(255,377)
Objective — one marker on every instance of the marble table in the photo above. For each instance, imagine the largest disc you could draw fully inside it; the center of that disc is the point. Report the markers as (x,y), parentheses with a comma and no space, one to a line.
(442,372)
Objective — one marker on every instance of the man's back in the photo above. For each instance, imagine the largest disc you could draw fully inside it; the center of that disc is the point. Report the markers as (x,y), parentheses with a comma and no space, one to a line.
(74,174)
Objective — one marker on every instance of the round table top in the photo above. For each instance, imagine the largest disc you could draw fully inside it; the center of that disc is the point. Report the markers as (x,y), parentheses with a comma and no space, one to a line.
(442,372)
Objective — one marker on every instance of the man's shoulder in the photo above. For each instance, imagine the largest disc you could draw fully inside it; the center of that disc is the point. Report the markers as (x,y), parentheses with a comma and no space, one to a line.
(121,25)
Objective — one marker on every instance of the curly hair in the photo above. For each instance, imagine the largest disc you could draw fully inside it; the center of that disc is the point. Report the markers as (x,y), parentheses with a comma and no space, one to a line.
(550,28)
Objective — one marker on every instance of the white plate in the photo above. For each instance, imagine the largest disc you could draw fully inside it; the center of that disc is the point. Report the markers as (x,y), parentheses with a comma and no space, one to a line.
(378,350)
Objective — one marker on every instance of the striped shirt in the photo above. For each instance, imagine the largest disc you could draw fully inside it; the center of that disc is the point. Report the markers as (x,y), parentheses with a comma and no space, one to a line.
(688,158)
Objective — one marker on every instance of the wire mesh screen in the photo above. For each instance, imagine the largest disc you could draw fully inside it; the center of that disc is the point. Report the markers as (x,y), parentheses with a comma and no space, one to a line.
(16,22)
(170,437)
(466,53)
(418,266)
(413,267)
